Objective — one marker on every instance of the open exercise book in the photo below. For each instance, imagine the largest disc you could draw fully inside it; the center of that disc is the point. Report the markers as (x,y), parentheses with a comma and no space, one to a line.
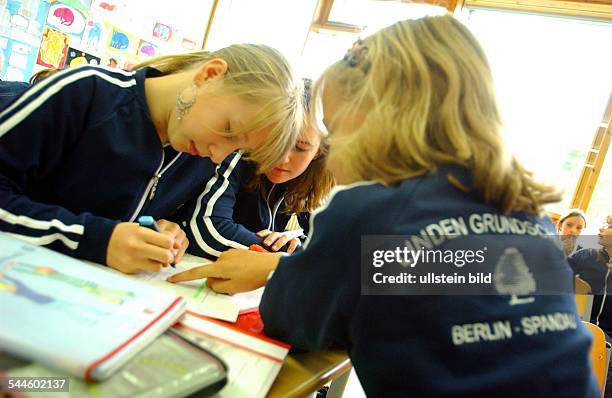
(201,300)
(72,316)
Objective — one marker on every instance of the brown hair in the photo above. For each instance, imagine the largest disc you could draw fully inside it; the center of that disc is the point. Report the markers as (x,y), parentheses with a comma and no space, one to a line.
(571,213)
(307,191)
(42,74)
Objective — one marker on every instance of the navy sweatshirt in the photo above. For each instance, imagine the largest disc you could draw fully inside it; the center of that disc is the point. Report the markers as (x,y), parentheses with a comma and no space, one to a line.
(9,90)
(227,215)
(79,154)
(592,266)
(430,345)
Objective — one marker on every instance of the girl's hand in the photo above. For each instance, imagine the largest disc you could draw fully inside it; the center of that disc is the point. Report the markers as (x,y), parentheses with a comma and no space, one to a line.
(132,249)
(276,240)
(180,238)
(234,271)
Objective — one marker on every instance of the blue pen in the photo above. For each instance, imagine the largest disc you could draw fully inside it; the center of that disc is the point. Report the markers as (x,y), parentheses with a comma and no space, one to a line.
(149,222)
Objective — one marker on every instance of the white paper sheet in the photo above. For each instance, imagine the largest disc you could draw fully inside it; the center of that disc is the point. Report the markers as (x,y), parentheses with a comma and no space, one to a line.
(253,362)
(199,298)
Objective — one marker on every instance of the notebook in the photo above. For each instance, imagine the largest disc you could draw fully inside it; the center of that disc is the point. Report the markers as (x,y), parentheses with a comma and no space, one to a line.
(69,315)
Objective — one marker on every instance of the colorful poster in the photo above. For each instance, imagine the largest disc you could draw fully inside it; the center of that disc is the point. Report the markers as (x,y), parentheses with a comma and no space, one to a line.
(16,59)
(67,19)
(82,6)
(95,37)
(107,9)
(111,61)
(147,50)
(23,20)
(162,31)
(122,43)
(77,58)
(118,61)
(53,48)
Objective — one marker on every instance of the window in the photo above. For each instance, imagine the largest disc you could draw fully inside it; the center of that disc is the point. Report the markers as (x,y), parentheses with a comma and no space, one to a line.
(601,201)
(375,14)
(350,19)
(278,23)
(553,82)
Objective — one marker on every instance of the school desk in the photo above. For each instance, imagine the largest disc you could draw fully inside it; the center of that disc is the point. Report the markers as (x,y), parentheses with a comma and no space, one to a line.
(302,374)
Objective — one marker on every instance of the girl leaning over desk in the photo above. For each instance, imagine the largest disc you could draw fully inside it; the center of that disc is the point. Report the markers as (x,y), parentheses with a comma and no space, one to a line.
(415,131)
(86,151)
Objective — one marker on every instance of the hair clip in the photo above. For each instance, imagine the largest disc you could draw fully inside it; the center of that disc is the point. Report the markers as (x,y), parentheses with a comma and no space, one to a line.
(355,56)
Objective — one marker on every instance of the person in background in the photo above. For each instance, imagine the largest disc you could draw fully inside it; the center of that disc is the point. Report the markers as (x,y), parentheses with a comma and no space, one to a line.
(10,90)
(42,74)
(415,133)
(87,151)
(241,208)
(569,227)
(594,266)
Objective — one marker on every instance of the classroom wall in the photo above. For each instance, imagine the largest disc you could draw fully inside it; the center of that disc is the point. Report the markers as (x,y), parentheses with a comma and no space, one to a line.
(37,34)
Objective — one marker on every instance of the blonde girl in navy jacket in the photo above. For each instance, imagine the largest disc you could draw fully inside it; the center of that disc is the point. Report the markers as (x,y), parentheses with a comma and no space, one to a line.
(241,207)
(86,151)
(415,132)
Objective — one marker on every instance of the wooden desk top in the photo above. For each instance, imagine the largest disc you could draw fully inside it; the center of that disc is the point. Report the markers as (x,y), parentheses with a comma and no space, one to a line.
(302,374)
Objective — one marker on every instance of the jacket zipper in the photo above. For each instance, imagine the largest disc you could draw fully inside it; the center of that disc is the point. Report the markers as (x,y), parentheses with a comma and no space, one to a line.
(268,206)
(276,206)
(271,213)
(152,185)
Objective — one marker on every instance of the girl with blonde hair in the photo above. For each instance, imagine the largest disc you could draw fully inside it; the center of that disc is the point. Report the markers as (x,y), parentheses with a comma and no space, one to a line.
(415,131)
(88,150)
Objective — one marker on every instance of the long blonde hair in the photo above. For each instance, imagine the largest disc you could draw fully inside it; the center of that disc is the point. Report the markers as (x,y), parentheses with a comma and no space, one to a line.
(424,95)
(260,75)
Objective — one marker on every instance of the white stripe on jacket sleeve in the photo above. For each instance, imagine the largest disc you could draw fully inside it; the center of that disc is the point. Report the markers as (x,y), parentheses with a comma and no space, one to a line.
(45,239)
(53,88)
(208,212)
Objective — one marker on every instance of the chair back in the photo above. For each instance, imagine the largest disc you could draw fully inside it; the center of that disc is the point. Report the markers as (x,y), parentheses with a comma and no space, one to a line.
(584,298)
(599,358)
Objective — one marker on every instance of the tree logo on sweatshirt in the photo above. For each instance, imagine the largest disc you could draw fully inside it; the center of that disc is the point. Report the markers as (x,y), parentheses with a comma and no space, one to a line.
(512,276)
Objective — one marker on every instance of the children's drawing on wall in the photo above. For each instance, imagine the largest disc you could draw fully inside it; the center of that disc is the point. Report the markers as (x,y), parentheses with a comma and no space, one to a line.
(106,9)
(112,61)
(147,50)
(122,43)
(19,21)
(188,44)
(23,20)
(77,58)
(16,59)
(95,37)
(162,32)
(119,40)
(53,49)
(67,19)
